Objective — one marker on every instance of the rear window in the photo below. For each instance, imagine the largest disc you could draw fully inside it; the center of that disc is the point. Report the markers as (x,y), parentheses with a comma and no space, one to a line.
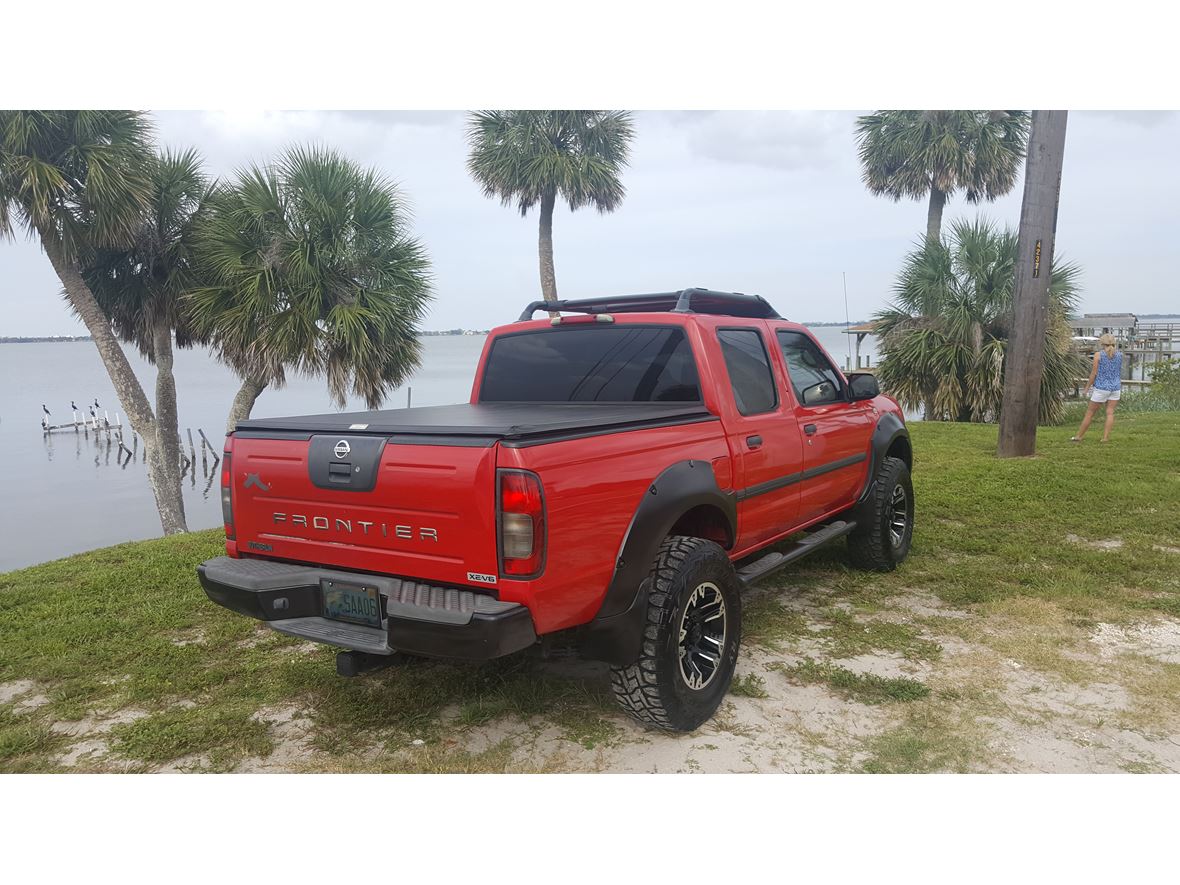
(628,363)
(749,370)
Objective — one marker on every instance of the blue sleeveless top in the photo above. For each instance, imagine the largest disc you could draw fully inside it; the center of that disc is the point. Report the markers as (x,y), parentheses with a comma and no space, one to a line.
(1109,371)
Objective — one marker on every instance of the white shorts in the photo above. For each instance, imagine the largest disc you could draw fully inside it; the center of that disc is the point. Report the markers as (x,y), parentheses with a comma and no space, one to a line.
(1098,395)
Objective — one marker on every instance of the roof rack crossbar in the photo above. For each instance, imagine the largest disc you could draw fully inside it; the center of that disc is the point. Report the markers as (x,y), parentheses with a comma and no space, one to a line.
(684,301)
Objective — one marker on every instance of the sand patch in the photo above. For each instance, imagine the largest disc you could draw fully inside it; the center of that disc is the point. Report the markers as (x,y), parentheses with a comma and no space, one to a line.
(290,731)
(93,746)
(189,637)
(1159,640)
(1102,544)
(16,688)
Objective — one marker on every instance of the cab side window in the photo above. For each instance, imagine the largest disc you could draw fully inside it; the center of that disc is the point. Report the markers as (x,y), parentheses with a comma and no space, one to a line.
(813,378)
(749,370)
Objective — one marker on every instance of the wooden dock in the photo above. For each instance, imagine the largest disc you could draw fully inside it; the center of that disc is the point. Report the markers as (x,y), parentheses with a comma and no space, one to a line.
(1144,344)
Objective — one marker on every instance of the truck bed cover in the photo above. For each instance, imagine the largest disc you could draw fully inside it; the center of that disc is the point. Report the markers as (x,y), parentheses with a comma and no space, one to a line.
(487,421)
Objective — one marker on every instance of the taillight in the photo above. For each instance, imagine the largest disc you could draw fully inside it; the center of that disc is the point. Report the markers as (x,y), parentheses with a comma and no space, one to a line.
(522,524)
(227,496)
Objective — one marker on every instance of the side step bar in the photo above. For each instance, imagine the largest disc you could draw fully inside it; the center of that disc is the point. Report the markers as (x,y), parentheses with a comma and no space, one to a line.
(772,562)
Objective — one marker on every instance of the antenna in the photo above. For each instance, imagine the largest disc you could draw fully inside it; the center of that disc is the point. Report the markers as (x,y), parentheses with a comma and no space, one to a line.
(847,322)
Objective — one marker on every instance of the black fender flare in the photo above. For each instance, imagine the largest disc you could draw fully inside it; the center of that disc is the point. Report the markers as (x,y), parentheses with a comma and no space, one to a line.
(889,429)
(615,633)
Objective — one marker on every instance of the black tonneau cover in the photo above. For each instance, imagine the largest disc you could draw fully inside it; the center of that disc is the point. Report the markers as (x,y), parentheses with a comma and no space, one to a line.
(488,421)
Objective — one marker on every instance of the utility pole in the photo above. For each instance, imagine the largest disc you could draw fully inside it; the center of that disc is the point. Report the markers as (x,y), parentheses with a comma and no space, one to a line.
(1034,269)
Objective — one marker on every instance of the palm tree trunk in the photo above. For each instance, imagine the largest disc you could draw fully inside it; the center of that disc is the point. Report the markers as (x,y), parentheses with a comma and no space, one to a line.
(167,423)
(244,402)
(127,387)
(545,247)
(934,215)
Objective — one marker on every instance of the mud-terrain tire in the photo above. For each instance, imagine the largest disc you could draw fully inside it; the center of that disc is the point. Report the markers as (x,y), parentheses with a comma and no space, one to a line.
(883,534)
(694,606)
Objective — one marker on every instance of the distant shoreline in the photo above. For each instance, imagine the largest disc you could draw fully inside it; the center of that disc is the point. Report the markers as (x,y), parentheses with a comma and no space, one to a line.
(57,339)
(69,339)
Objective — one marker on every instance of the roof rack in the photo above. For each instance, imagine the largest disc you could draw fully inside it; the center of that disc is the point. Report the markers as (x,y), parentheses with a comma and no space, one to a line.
(734,304)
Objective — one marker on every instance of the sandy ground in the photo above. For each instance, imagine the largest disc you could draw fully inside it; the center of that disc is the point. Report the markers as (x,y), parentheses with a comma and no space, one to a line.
(1002,715)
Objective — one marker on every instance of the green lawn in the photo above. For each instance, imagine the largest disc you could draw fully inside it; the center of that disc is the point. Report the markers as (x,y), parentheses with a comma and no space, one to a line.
(122,642)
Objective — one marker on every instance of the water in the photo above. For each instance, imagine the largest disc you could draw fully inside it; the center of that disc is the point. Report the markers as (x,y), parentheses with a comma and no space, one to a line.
(68,493)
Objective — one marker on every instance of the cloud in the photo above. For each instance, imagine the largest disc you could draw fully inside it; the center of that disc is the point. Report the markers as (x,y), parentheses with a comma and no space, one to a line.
(1145,119)
(785,140)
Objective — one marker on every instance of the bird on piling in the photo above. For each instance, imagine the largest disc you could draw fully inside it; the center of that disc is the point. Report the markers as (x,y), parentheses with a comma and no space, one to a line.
(45,410)
(73,405)
(96,405)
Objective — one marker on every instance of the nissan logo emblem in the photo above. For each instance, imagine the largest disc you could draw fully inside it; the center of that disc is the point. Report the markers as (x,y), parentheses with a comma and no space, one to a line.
(342,449)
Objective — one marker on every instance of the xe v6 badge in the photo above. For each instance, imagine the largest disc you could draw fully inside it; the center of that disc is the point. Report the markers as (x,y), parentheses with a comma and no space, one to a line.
(253,479)
(342,449)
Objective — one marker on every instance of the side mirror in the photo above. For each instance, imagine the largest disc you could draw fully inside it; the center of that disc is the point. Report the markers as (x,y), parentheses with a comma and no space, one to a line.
(862,385)
(818,394)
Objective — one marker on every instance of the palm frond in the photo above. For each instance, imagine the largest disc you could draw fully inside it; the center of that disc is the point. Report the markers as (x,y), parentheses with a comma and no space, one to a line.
(520,156)
(311,270)
(905,153)
(944,339)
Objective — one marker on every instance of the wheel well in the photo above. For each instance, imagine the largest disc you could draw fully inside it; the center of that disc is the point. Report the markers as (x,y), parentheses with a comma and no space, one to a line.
(705,521)
(900,448)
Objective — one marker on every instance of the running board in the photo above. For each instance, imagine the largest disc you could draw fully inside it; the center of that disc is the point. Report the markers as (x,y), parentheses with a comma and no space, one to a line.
(772,562)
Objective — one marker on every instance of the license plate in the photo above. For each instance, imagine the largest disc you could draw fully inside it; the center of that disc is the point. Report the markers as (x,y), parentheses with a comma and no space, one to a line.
(351,602)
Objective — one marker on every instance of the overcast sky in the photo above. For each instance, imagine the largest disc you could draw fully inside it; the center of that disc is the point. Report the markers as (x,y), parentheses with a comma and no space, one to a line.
(763,202)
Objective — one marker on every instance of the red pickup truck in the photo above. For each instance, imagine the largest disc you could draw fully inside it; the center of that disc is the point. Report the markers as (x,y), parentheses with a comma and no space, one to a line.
(622,470)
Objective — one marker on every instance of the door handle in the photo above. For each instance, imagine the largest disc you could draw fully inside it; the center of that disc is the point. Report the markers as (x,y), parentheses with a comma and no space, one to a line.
(753,441)
(809,429)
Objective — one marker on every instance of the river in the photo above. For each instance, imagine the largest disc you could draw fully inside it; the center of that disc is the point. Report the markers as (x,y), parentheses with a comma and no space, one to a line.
(71,492)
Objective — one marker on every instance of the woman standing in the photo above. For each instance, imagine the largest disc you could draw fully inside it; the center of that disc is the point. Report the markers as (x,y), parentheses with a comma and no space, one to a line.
(1105,385)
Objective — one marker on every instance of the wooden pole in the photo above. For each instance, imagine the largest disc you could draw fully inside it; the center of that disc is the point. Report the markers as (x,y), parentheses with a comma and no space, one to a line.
(205,441)
(1025,362)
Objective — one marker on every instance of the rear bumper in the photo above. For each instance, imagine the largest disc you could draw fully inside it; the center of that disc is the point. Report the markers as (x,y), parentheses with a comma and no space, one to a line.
(421,619)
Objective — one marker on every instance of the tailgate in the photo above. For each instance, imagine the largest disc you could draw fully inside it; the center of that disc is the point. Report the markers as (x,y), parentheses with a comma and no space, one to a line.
(367,503)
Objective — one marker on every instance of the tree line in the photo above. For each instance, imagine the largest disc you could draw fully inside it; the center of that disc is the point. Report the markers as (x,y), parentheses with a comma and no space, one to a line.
(945,339)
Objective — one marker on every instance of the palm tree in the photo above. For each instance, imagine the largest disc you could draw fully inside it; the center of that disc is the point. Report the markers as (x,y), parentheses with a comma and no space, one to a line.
(79,181)
(533,157)
(935,153)
(310,268)
(141,286)
(944,339)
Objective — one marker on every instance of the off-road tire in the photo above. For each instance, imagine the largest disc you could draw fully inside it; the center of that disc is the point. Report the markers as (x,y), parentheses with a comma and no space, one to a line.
(873,545)
(654,689)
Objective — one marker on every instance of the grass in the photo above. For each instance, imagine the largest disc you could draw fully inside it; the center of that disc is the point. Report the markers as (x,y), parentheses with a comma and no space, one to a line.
(128,627)
(749,686)
(866,688)
(991,530)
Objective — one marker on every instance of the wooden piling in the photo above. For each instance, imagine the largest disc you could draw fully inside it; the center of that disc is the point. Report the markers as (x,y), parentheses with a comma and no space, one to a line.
(205,441)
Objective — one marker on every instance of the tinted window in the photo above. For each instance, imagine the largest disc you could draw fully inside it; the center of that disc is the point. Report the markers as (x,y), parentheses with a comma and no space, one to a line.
(592,364)
(749,370)
(813,377)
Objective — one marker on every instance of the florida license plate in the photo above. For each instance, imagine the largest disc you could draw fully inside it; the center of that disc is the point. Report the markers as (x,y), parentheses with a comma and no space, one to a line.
(354,603)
